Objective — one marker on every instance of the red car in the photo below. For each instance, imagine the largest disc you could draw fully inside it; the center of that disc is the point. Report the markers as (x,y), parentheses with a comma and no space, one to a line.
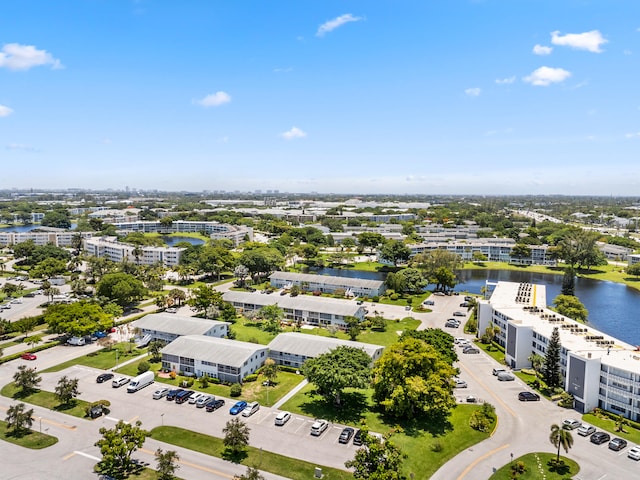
(28,356)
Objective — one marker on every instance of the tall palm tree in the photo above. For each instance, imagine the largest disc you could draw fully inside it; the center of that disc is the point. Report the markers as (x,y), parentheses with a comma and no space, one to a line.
(560,437)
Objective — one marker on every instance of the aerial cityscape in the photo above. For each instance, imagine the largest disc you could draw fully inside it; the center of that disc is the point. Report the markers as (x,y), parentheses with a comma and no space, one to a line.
(372,240)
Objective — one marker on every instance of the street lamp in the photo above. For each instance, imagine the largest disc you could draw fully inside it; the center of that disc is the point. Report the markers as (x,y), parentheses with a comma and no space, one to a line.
(116,358)
(162,418)
(40,424)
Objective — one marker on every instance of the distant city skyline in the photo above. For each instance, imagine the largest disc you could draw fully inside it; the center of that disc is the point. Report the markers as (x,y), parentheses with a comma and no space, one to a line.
(463,97)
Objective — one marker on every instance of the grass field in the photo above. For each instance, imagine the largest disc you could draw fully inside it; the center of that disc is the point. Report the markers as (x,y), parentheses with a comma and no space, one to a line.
(630,434)
(47,400)
(537,467)
(33,440)
(270,462)
(102,359)
(428,446)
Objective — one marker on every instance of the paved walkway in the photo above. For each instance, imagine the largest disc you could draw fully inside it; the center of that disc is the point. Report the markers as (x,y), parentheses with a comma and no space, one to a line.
(291,393)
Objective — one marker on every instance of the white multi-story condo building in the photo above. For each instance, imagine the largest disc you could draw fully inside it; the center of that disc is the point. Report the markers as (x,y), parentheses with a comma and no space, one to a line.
(110,248)
(216,231)
(41,237)
(353,287)
(598,370)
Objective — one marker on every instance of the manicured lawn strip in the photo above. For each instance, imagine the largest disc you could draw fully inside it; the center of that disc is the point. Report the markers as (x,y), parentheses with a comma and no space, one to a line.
(102,359)
(247,331)
(492,351)
(533,472)
(33,440)
(263,460)
(414,438)
(391,335)
(632,435)
(403,299)
(46,400)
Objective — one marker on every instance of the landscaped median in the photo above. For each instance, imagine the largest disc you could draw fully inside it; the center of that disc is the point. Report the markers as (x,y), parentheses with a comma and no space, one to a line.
(263,460)
(603,421)
(41,398)
(534,466)
(31,439)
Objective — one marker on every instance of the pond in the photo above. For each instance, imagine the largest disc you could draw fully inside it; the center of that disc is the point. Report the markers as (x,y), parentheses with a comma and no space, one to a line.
(171,240)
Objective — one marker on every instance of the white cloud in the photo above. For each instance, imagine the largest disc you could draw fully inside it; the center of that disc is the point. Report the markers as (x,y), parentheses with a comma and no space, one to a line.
(5,111)
(214,99)
(542,50)
(505,81)
(633,135)
(627,52)
(331,25)
(545,76)
(21,146)
(473,92)
(283,70)
(295,132)
(23,57)
(590,41)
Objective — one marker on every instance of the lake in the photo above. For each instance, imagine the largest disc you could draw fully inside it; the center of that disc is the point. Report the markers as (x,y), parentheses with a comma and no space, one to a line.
(613,307)
(172,240)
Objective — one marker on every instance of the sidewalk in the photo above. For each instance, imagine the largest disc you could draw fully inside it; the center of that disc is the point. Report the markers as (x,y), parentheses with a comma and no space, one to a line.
(291,393)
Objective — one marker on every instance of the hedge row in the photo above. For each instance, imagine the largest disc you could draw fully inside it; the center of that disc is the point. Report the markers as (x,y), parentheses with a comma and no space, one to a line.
(39,348)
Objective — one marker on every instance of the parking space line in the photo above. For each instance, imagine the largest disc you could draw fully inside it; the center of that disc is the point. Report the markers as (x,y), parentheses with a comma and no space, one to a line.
(498,399)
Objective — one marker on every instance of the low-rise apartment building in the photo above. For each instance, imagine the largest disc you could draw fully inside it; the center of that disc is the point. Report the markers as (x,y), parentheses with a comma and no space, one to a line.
(356,287)
(109,247)
(166,327)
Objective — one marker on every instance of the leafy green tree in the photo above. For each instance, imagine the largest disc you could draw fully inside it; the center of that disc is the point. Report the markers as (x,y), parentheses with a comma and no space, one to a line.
(270,370)
(58,218)
(26,379)
(568,282)
(338,369)
(241,273)
(413,280)
(353,327)
(177,296)
(551,368)
(261,261)
(571,307)
(412,378)
(430,262)
(483,418)
(537,362)
(154,349)
(203,297)
(66,390)
(27,325)
(271,316)
(167,464)
(117,445)
(122,288)
(215,259)
(18,419)
(560,437)
(236,437)
(370,240)
(634,270)
(395,252)
(444,279)
(377,459)
(520,251)
(49,267)
(77,319)
(250,474)
(395,282)
(442,341)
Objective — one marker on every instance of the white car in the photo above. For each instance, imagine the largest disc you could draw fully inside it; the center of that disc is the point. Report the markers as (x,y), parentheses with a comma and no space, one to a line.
(571,424)
(250,409)
(318,427)
(195,397)
(634,453)
(282,418)
(586,430)
(496,371)
(459,383)
(161,392)
(120,381)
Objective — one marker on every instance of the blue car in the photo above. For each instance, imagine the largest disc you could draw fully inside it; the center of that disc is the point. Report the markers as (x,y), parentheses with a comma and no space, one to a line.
(238,407)
(99,334)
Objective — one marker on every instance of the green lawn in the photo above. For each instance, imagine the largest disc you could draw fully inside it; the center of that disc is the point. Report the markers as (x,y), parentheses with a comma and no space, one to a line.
(263,460)
(47,400)
(492,351)
(33,440)
(428,446)
(630,434)
(537,467)
(102,359)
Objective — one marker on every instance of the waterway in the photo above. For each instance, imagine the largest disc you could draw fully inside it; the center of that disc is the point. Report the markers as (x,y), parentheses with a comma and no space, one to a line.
(172,240)
(613,308)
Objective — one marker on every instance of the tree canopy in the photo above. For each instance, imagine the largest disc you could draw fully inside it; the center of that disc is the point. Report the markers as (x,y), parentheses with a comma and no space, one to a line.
(77,319)
(377,459)
(395,252)
(117,445)
(571,307)
(122,288)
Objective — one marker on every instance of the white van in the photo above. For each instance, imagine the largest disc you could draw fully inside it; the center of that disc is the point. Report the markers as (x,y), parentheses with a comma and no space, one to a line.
(77,341)
(140,381)
(250,409)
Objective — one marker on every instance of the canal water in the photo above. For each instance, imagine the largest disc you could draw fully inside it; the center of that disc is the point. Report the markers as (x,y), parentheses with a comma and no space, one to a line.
(613,308)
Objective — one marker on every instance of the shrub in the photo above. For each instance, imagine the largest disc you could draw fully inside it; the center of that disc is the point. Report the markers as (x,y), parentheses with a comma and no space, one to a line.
(394,296)
(436,446)
(483,418)
(375,298)
(285,368)
(215,381)
(173,375)
(235,390)
(317,293)
(143,367)
(204,381)
(251,378)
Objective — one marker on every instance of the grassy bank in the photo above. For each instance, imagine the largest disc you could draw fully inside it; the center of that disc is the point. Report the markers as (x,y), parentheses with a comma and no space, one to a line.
(76,408)
(537,466)
(32,440)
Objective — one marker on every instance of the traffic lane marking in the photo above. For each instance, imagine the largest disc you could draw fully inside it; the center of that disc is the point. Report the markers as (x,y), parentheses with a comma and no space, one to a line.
(47,421)
(498,399)
(194,465)
(480,459)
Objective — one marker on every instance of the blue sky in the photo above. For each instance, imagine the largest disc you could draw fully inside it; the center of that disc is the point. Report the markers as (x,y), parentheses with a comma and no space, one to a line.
(425,96)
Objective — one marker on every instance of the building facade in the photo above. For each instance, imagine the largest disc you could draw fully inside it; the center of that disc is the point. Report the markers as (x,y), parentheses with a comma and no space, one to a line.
(353,287)
(109,247)
(166,327)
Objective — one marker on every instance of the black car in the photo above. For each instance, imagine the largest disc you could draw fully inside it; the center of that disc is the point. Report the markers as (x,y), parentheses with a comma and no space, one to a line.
(600,437)
(96,411)
(184,396)
(357,438)
(103,377)
(528,397)
(346,435)
(173,393)
(617,444)
(214,405)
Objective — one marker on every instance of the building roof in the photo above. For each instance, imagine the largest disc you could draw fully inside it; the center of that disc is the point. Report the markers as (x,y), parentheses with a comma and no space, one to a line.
(177,324)
(327,279)
(213,349)
(313,345)
(307,303)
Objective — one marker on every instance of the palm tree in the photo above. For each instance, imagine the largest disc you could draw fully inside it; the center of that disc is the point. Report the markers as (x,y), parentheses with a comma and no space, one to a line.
(560,437)
(536,362)
(18,419)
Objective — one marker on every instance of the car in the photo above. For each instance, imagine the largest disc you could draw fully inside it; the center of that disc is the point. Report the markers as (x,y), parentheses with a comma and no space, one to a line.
(429,302)
(459,383)
(250,409)
(586,430)
(214,405)
(193,398)
(470,350)
(464,304)
(459,314)
(345,435)
(357,438)
(408,307)
(452,325)
(282,418)
(96,411)
(203,400)
(103,377)
(498,370)
(318,427)
(120,381)
(113,329)
(634,453)
(184,396)
(571,424)
(173,394)
(467,298)
(238,407)
(439,294)
(617,444)
(464,343)
(505,377)
(99,334)
(600,437)
(30,294)
(472,399)
(171,310)
(528,397)
(28,356)
(16,300)
(161,392)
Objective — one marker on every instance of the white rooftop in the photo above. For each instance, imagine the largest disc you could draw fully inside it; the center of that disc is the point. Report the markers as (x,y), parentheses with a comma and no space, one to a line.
(327,279)
(212,349)
(313,345)
(177,324)
(308,303)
